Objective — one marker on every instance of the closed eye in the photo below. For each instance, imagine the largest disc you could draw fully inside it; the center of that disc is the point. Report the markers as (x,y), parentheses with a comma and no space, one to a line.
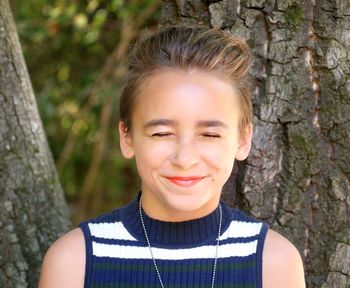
(161,134)
(211,135)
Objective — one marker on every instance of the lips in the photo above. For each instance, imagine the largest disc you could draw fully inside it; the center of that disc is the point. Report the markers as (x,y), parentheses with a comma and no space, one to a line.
(185,181)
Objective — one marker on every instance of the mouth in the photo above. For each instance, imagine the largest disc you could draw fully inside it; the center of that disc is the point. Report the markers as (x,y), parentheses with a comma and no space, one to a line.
(185,181)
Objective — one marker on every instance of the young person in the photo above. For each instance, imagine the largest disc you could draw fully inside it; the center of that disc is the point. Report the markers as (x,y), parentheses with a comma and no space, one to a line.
(185,117)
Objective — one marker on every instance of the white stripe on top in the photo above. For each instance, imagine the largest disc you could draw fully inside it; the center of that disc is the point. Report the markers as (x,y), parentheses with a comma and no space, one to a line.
(241,229)
(118,231)
(114,230)
(203,252)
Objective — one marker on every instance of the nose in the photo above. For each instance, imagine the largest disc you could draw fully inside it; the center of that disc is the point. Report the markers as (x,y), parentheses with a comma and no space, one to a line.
(185,155)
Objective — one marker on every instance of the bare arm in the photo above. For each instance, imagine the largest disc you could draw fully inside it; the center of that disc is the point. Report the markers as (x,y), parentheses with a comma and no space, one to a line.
(282,264)
(64,262)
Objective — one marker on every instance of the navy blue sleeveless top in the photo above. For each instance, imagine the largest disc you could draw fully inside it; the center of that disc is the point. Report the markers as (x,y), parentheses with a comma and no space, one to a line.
(117,254)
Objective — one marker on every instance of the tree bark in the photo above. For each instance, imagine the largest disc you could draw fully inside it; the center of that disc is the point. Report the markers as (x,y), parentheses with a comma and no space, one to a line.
(33,211)
(297,176)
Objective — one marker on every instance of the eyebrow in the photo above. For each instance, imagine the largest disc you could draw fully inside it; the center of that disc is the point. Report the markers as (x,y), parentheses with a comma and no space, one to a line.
(169,122)
(212,123)
(159,122)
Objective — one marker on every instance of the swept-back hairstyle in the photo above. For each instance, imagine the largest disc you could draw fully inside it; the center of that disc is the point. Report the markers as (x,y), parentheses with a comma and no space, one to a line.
(186,48)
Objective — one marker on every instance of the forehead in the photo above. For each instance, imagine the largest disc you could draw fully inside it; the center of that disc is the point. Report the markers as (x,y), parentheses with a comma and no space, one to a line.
(191,91)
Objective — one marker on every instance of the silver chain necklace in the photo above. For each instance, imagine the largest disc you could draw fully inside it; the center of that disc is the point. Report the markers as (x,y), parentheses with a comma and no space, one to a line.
(154,260)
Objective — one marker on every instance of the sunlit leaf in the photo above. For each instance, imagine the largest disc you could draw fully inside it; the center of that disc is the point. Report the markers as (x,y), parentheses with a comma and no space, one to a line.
(80,20)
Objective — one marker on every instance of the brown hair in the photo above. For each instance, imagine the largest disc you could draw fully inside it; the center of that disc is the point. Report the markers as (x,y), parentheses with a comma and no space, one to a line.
(186,48)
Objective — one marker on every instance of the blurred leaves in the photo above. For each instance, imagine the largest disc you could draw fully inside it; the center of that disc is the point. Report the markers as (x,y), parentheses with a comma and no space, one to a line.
(75,52)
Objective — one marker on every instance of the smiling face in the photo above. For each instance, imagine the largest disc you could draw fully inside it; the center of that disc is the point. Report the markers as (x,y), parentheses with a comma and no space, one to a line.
(184,138)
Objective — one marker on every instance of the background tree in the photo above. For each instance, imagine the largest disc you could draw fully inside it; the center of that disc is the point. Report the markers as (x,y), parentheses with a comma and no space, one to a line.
(298,174)
(32,208)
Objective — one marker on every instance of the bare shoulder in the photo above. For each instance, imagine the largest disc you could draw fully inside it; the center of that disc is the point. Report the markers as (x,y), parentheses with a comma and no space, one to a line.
(282,264)
(64,262)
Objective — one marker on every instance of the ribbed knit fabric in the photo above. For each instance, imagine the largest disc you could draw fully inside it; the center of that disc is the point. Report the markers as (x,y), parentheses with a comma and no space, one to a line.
(117,254)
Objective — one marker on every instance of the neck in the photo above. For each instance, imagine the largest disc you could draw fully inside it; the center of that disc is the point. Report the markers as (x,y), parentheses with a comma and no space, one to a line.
(162,212)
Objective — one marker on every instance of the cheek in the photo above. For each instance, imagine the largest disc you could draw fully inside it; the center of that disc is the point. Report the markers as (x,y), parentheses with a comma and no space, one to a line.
(151,156)
(220,158)
(220,155)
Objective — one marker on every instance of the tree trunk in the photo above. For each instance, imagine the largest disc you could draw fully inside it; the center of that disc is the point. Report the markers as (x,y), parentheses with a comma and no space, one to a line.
(33,212)
(297,176)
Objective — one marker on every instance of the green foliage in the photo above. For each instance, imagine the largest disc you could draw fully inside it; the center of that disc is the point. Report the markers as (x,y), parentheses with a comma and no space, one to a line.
(66,44)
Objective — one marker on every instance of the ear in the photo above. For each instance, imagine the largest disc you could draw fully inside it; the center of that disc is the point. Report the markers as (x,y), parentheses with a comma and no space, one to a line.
(125,141)
(245,143)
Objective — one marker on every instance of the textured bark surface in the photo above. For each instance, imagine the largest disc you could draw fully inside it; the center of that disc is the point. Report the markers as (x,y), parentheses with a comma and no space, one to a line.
(33,212)
(297,176)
